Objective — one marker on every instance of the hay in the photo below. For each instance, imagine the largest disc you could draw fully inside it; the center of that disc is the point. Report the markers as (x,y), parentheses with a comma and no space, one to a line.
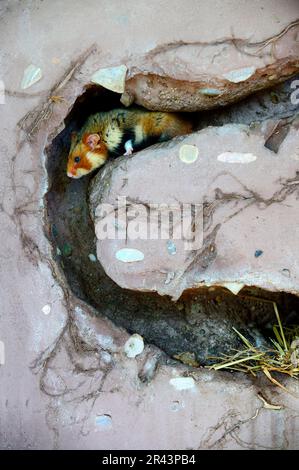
(283,358)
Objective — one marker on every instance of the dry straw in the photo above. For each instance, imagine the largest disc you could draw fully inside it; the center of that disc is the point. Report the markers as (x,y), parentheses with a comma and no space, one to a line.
(283,358)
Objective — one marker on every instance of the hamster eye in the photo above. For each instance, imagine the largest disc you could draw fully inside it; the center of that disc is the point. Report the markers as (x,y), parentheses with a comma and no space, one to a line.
(77,159)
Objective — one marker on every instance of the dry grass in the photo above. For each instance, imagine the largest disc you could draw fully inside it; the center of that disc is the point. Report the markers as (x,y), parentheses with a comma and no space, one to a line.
(283,358)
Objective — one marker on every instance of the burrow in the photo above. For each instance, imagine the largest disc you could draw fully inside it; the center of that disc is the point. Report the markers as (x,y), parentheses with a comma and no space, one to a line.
(201,322)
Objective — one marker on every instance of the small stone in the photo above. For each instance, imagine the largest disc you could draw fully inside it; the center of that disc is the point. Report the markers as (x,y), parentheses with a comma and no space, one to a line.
(134,346)
(32,74)
(112,78)
(66,249)
(234,287)
(239,75)
(236,157)
(182,383)
(104,421)
(46,309)
(92,257)
(171,248)
(210,91)
(127,99)
(258,253)
(129,255)
(188,153)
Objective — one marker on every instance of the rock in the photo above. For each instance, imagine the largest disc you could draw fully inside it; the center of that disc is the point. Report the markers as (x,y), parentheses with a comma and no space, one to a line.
(182,383)
(134,346)
(241,205)
(171,77)
(112,78)
(32,74)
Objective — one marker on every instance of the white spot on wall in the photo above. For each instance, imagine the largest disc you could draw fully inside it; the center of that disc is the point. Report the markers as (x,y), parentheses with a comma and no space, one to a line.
(46,309)
(134,346)
(129,255)
(32,74)
(239,75)
(188,153)
(182,383)
(234,287)
(210,91)
(112,78)
(104,421)
(236,157)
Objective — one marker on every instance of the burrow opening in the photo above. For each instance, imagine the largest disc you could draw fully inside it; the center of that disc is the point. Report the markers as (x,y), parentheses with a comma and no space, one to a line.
(201,322)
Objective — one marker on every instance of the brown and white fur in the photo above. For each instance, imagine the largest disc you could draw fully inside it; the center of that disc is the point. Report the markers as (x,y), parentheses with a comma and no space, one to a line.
(107,134)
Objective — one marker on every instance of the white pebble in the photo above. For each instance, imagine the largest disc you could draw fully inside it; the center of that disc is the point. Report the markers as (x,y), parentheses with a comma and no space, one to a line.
(112,78)
(104,421)
(129,255)
(92,257)
(32,74)
(234,287)
(46,309)
(239,75)
(188,153)
(182,383)
(134,346)
(236,157)
(210,91)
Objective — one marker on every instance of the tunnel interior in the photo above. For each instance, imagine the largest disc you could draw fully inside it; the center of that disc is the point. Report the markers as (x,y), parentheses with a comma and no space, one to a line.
(201,322)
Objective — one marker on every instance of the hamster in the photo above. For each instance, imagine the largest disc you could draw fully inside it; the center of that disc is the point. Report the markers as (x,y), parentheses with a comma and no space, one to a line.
(120,131)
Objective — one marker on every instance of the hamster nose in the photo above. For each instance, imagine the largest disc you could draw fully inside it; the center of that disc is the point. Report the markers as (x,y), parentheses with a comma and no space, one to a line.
(71,173)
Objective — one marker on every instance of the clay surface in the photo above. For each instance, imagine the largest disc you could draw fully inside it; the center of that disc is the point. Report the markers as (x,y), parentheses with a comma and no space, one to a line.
(66,380)
(246,201)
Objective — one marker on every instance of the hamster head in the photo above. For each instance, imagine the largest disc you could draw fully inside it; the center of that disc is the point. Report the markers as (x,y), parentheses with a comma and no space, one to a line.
(87,153)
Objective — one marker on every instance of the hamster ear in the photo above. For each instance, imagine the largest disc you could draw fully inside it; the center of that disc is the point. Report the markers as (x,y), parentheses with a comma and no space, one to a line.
(92,140)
